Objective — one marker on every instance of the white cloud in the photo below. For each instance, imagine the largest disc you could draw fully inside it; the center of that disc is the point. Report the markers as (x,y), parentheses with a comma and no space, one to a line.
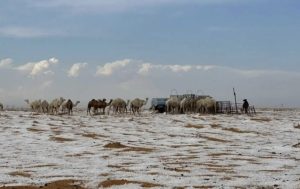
(180,68)
(145,69)
(205,67)
(75,69)
(6,63)
(109,68)
(37,68)
(27,32)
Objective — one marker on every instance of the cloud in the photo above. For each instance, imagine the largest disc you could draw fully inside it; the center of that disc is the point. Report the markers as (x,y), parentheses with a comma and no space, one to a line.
(109,68)
(75,69)
(6,63)
(27,32)
(37,68)
(180,68)
(145,69)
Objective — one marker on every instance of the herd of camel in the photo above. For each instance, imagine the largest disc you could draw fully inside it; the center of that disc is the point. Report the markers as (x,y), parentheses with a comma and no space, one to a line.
(191,105)
(172,105)
(61,105)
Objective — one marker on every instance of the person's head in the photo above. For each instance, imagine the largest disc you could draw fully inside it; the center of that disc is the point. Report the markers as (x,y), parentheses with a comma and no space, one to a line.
(245,100)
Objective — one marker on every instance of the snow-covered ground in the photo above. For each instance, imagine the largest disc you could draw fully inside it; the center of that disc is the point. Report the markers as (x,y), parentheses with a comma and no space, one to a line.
(164,151)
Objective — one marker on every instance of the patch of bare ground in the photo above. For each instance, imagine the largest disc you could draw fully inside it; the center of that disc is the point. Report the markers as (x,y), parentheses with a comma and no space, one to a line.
(43,165)
(20,173)
(104,174)
(170,135)
(62,184)
(177,169)
(240,176)
(33,129)
(261,119)
(60,139)
(194,126)
(79,154)
(258,187)
(226,178)
(138,149)
(110,183)
(93,135)
(245,159)
(203,187)
(56,130)
(221,170)
(215,125)
(220,154)
(115,145)
(297,145)
(213,139)
(272,170)
(127,148)
(236,130)
(153,173)
(297,126)
(177,121)
(142,123)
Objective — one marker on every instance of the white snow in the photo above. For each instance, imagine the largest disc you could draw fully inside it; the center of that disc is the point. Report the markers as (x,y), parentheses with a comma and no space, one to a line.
(225,151)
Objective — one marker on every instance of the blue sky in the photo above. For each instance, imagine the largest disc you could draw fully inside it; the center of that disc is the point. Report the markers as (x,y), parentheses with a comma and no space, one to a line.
(257,37)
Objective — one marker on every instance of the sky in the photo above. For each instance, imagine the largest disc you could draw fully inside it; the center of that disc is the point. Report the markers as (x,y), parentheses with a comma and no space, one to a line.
(150,48)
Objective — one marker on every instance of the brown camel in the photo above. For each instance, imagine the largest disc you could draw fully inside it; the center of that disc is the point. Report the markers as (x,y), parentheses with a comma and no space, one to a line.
(103,104)
(69,106)
(97,104)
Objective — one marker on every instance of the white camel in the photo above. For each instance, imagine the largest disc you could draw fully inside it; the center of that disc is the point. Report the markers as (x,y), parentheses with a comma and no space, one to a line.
(136,105)
(173,105)
(34,105)
(119,106)
(186,105)
(55,104)
(206,105)
(45,106)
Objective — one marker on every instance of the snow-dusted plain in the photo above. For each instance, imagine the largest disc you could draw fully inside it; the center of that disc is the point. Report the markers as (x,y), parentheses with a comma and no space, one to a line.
(155,150)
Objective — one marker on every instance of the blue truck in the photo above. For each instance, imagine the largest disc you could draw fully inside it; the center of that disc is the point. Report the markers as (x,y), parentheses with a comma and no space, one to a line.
(158,104)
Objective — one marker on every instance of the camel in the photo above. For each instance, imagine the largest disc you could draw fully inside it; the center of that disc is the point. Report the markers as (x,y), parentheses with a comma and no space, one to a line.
(206,105)
(35,105)
(97,104)
(103,104)
(136,105)
(119,105)
(1,106)
(45,106)
(55,104)
(69,105)
(173,105)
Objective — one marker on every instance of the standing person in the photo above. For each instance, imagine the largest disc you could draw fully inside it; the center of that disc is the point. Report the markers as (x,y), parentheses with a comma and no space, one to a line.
(245,106)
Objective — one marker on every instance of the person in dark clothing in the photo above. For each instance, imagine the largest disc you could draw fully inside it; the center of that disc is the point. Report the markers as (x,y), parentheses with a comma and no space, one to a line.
(245,106)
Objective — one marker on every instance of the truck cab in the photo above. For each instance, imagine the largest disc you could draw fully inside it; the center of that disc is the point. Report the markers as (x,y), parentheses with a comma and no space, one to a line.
(158,104)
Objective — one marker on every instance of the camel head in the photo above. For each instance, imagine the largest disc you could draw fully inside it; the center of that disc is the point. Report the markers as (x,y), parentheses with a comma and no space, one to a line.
(110,101)
(145,101)
(61,99)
